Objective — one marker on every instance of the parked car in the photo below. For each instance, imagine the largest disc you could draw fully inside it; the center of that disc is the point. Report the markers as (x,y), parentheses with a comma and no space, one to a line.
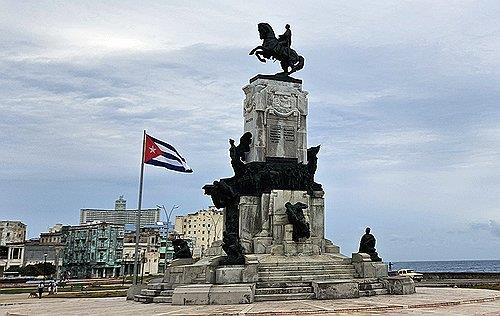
(412,274)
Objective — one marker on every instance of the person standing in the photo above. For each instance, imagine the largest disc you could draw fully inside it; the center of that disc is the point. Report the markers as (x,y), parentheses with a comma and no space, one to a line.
(40,289)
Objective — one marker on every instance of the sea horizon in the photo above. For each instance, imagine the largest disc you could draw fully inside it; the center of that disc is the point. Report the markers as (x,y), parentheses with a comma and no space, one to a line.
(479,265)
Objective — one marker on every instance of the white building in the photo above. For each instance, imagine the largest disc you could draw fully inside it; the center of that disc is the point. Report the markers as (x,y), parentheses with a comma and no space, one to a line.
(202,227)
(120,215)
(149,252)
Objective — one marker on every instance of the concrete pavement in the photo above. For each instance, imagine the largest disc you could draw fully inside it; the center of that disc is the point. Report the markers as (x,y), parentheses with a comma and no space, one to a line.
(430,301)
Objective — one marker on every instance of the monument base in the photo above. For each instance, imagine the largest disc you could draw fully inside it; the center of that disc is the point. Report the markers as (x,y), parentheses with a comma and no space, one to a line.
(366,268)
(400,285)
(329,290)
(208,294)
(267,277)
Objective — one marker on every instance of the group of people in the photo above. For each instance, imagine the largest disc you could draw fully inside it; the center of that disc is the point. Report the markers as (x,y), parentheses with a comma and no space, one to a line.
(52,288)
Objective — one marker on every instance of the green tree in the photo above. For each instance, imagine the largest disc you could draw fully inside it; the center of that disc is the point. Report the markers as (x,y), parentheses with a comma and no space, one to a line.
(46,269)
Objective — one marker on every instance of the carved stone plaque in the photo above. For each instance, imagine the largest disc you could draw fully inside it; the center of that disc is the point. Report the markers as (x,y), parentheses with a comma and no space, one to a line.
(281,137)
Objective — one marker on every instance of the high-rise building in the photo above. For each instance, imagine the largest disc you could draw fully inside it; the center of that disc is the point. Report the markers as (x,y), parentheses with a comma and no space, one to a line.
(202,227)
(120,215)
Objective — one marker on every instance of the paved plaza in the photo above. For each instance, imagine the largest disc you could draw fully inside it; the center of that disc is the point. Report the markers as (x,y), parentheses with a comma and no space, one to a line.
(427,301)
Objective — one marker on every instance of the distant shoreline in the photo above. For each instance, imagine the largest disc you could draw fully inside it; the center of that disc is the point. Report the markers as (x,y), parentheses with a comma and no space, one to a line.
(482,280)
(452,266)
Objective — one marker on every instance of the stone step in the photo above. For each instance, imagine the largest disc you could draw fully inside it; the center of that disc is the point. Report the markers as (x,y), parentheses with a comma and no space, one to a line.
(284,297)
(303,264)
(166,293)
(147,292)
(162,299)
(283,290)
(199,281)
(158,286)
(306,272)
(282,284)
(304,278)
(143,299)
(370,286)
(373,292)
(305,267)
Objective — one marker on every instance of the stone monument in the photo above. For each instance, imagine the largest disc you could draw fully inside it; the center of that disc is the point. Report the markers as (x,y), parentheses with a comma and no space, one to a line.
(274,244)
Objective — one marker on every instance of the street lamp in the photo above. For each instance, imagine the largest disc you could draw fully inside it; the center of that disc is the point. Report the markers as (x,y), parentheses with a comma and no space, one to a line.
(44,267)
(167,215)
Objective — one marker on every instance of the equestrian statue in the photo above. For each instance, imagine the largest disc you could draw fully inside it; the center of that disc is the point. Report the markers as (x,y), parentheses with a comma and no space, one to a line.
(278,49)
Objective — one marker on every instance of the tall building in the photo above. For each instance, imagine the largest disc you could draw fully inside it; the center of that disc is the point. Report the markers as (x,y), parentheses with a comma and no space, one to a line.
(12,231)
(93,250)
(202,227)
(120,215)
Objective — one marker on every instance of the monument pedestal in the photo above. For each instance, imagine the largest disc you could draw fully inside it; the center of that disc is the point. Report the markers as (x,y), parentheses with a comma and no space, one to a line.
(275,113)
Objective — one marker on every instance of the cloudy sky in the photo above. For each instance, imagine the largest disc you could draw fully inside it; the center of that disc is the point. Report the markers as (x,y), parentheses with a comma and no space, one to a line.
(404,100)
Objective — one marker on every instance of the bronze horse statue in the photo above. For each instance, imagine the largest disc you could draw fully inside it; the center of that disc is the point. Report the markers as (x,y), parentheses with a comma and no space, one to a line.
(278,50)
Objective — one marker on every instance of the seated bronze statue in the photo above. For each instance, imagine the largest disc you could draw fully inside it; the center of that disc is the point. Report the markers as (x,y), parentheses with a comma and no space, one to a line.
(181,249)
(367,245)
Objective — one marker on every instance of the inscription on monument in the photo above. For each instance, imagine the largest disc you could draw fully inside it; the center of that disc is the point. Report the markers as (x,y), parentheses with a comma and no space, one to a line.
(289,133)
(275,134)
(281,137)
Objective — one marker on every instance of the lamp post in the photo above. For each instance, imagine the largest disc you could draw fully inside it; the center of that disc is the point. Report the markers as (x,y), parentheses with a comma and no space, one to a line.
(167,215)
(44,267)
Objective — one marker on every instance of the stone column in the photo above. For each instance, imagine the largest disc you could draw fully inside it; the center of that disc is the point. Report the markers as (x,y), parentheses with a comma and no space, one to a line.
(317,219)
(250,221)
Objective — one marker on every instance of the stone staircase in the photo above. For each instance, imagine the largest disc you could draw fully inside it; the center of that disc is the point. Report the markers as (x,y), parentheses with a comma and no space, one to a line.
(292,280)
(371,287)
(155,293)
(284,280)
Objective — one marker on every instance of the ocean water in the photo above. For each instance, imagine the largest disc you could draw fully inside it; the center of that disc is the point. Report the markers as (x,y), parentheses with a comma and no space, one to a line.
(450,266)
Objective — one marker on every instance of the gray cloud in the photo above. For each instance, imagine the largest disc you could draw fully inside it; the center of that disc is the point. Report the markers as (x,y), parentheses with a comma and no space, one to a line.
(403,98)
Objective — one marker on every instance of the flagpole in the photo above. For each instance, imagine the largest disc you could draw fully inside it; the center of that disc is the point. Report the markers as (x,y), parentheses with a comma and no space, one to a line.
(138,217)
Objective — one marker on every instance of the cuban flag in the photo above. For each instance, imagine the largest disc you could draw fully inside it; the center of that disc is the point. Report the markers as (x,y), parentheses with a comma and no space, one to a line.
(161,154)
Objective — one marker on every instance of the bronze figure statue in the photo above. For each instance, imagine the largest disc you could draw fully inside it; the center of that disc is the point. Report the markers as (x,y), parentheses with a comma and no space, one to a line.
(237,153)
(312,161)
(286,38)
(181,249)
(367,245)
(296,217)
(233,249)
(278,49)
